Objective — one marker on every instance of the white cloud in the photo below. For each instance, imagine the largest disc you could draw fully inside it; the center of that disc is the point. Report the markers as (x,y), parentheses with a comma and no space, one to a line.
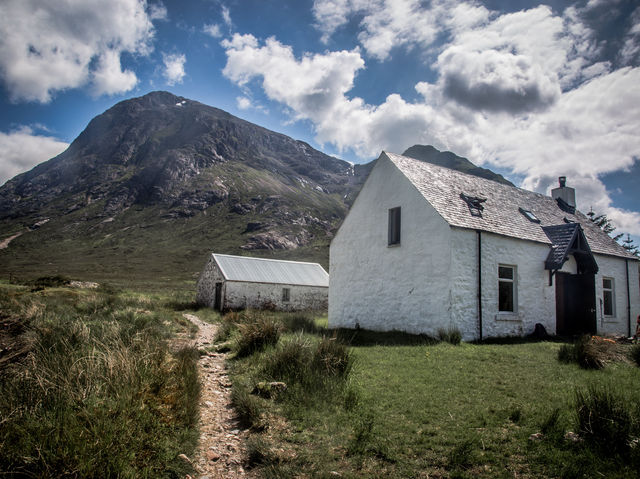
(21,150)
(108,77)
(55,45)
(522,91)
(243,102)
(157,11)
(174,68)
(212,30)
(226,16)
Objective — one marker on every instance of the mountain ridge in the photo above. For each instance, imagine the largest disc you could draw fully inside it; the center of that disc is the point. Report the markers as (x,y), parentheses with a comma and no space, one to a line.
(155,183)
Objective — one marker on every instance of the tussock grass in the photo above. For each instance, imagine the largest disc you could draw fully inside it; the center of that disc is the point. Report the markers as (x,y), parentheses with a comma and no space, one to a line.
(257,331)
(100,393)
(635,354)
(451,335)
(586,352)
(604,419)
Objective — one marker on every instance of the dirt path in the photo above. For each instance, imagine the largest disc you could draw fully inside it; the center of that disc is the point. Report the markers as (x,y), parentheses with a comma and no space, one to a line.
(221,452)
(5,242)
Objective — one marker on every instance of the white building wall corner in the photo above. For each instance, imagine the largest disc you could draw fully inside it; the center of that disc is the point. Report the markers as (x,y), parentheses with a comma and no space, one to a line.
(400,287)
(615,268)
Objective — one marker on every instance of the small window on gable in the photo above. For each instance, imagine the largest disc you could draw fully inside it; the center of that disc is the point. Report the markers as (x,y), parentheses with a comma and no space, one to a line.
(474,203)
(286,295)
(529,215)
(507,288)
(394,226)
(608,297)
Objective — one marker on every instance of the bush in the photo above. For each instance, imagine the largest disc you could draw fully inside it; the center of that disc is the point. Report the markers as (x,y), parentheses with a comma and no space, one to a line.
(258,332)
(451,335)
(332,358)
(603,419)
(635,354)
(584,352)
(248,407)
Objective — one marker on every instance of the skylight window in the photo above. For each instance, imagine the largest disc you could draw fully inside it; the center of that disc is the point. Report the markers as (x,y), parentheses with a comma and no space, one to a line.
(474,203)
(529,215)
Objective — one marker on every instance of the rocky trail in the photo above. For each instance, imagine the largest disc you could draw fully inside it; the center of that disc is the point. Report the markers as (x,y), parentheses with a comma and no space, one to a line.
(221,452)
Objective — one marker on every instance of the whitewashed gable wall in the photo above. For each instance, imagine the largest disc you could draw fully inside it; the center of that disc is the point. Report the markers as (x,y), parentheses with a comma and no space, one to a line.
(383,287)
(206,286)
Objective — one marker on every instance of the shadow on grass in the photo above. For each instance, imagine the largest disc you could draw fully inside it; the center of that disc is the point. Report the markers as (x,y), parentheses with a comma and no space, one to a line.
(522,340)
(365,337)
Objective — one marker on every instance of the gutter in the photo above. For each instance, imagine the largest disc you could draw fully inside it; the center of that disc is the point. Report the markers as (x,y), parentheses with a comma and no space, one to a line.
(626,263)
(480,282)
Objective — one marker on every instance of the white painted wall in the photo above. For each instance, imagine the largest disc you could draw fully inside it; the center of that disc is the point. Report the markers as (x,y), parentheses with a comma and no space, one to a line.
(240,295)
(535,299)
(613,267)
(381,287)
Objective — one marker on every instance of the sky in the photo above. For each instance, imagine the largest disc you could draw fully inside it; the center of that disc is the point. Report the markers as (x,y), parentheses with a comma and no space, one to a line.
(530,90)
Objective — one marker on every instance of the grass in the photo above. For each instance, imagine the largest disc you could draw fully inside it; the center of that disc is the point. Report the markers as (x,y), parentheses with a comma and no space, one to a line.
(99,390)
(415,407)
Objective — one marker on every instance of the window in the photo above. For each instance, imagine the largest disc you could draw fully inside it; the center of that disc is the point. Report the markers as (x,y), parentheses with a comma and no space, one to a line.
(507,288)
(286,295)
(474,203)
(608,297)
(529,215)
(394,226)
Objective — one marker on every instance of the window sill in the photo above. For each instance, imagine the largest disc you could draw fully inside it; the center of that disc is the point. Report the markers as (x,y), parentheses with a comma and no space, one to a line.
(610,319)
(507,316)
(394,245)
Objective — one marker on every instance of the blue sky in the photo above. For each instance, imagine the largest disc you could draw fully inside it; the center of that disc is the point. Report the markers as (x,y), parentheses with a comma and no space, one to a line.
(531,90)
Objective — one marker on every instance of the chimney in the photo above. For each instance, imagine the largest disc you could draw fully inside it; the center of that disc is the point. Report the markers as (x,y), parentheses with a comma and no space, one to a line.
(565,193)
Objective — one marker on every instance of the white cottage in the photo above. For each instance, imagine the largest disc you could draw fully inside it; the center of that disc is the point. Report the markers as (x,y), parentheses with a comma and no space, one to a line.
(239,282)
(425,247)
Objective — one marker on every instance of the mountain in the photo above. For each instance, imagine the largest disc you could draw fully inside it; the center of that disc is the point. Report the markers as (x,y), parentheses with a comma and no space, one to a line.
(450,160)
(155,184)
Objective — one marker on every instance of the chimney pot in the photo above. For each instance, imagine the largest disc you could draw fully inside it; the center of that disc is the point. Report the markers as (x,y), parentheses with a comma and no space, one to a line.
(563,181)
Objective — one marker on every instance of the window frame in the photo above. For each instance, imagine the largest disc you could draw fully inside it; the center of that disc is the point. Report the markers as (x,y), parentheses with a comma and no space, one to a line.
(394,226)
(513,281)
(286,295)
(612,292)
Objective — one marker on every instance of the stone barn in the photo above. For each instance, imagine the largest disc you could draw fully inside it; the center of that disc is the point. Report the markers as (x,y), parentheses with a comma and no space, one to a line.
(425,248)
(239,282)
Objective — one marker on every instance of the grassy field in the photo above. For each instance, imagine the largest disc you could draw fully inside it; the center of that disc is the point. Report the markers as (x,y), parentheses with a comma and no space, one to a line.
(411,407)
(93,384)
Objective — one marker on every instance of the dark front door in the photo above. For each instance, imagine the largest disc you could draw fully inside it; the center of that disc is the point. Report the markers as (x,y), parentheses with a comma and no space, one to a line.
(217,305)
(575,304)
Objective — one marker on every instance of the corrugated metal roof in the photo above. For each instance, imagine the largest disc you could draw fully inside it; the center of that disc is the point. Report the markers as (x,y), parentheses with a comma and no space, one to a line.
(442,188)
(260,270)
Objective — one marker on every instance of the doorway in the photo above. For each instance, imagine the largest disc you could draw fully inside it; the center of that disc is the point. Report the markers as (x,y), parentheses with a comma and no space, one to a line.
(575,304)
(217,300)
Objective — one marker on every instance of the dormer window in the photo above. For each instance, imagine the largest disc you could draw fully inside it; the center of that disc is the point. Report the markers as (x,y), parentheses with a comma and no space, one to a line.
(529,215)
(474,203)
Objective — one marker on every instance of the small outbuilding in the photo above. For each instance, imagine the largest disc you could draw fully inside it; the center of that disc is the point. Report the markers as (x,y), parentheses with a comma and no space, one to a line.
(240,282)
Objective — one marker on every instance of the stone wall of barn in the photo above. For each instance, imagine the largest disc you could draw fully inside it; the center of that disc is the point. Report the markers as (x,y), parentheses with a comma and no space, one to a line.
(380,287)
(241,295)
(206,286)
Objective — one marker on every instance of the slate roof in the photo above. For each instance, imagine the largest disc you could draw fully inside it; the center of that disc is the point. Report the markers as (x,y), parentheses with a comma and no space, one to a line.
(569,239)
(260,270)
(443,187)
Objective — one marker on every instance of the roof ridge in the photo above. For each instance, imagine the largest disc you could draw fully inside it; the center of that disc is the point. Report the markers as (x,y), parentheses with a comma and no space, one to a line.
(264,259)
